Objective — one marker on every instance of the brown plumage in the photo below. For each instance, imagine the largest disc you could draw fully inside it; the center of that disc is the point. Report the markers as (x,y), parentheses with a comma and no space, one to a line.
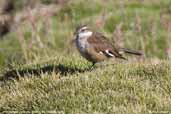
(95,47)
(101,44)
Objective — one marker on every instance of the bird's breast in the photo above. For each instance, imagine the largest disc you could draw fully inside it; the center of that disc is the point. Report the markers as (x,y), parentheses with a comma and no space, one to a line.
(82,45)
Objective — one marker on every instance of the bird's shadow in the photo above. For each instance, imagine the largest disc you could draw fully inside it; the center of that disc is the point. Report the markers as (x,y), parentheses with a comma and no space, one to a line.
(60,68)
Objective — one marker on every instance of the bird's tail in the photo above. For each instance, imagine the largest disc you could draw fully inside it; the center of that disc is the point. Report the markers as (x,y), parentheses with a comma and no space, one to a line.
(130,51)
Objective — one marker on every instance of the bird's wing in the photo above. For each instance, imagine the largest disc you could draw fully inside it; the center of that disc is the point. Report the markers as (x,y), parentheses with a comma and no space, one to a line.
(103,45)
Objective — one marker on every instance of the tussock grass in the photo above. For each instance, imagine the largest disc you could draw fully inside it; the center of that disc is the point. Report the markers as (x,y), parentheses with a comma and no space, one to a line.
(144,27)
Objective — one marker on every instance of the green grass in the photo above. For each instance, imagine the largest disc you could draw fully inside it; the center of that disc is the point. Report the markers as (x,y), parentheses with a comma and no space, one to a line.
(49,75)
(57,30)
(119,88)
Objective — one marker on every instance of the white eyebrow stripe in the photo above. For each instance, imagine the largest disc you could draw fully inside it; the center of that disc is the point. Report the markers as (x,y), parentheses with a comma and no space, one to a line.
(83,28)
(85,35)
(110,54)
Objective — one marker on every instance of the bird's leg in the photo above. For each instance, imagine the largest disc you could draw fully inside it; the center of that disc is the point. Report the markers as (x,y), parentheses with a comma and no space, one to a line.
(92,66)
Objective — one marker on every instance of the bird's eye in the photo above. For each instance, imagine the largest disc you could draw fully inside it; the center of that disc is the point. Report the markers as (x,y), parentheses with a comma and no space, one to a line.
(83,30)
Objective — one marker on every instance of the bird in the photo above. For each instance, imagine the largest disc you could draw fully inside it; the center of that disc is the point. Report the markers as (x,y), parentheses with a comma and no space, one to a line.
(95,47)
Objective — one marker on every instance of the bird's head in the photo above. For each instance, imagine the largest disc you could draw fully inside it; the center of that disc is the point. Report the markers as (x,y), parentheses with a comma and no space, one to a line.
(83,31)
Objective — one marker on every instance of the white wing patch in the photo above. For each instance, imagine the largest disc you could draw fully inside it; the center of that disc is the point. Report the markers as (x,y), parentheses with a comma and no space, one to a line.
(101,52)
(108,53)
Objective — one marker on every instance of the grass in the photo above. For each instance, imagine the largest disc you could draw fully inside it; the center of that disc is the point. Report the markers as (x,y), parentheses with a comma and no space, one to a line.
(118,88)
(42,71)
(150,38)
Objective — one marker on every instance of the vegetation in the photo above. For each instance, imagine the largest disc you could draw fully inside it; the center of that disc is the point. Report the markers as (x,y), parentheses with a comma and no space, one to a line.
(42,71)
